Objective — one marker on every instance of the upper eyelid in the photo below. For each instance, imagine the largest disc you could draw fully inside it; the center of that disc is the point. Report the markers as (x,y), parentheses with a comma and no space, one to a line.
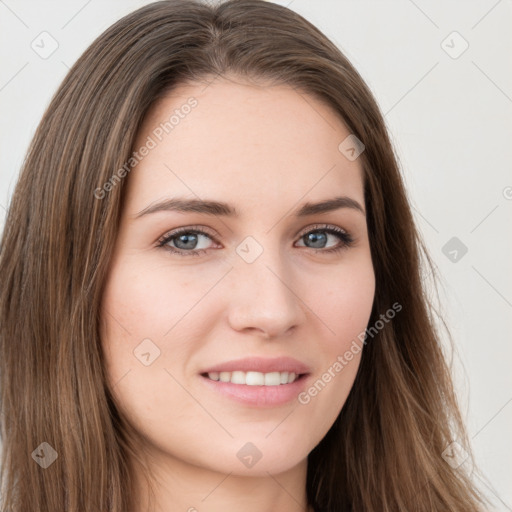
(319,227)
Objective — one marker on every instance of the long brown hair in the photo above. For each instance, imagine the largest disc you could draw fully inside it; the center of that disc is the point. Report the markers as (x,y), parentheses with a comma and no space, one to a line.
(384,451)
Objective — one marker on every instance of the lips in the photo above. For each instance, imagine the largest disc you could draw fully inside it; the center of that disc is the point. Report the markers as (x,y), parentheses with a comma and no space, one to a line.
(256,381)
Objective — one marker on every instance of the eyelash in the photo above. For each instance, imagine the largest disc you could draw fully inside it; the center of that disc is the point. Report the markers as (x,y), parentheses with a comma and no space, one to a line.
(346,239)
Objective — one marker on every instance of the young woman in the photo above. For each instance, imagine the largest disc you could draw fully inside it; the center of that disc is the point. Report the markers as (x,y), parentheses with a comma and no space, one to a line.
(211,294)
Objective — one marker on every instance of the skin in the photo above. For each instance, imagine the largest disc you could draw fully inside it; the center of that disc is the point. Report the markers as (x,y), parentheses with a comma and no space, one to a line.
(266,150)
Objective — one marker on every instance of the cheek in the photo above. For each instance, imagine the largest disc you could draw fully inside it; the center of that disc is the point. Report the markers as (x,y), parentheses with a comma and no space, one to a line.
(344,303)
(146,299)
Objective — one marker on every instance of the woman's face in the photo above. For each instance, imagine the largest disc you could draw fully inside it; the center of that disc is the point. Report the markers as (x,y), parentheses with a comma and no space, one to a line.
(224,266)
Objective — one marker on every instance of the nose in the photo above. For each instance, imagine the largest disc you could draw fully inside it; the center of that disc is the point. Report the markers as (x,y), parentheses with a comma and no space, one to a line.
(265,297)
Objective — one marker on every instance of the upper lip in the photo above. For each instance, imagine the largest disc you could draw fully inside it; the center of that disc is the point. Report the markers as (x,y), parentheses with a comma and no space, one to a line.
(260,364)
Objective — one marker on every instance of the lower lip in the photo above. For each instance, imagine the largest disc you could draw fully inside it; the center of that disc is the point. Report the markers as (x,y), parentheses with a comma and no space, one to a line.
(260,396)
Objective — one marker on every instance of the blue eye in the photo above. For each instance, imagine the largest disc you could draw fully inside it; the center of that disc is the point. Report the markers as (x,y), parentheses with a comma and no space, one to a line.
(185,241)
(194,241)
(320,235)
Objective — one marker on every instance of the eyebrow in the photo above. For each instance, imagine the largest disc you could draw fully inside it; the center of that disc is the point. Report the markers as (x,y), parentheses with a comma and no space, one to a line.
(208,207)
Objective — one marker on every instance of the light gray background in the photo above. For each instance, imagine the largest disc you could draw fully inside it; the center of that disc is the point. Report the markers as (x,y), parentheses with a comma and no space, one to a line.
(450,117)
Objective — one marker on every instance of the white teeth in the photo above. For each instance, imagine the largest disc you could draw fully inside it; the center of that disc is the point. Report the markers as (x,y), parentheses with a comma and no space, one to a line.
(238,377)
(272,379)
(225,376)
(254,378)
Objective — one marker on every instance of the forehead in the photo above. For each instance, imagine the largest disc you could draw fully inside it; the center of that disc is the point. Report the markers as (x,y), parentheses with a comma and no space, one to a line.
(243,143)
